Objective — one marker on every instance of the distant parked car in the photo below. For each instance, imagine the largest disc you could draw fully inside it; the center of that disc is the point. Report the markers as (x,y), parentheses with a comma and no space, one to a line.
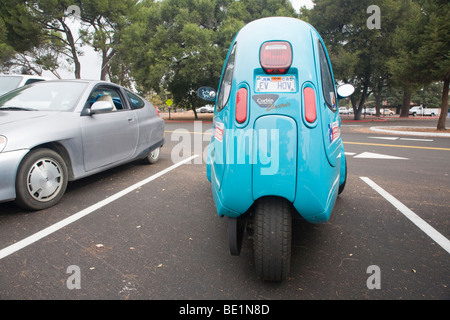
(386,112)
(370,111)
(206,109)
(343,110)
(421,111)
(11,82)
(58,131)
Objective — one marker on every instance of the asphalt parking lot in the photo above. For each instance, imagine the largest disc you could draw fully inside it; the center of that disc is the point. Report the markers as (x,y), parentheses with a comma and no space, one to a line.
(151,231)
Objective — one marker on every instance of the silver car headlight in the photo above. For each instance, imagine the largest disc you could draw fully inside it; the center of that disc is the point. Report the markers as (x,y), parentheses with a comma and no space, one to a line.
(2,143)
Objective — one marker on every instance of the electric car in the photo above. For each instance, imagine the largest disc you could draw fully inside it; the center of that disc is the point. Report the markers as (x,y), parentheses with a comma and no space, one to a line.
(276,151)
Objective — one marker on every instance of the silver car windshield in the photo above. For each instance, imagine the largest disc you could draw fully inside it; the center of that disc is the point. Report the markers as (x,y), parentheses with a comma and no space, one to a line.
(44,96)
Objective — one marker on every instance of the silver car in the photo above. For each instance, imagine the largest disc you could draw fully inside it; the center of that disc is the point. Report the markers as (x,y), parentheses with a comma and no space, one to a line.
(53,132)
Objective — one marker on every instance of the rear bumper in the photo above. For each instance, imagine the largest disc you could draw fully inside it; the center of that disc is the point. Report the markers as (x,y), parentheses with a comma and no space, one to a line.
(286,161)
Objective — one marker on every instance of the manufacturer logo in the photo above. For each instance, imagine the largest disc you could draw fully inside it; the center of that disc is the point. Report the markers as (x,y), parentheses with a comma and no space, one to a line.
(265,100)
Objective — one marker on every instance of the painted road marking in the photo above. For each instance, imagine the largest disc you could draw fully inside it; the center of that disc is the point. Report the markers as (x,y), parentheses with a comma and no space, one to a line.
(384,138)
(370,155)
(414,218)
(65,222)
(395,146)
(404,139)
(358,143)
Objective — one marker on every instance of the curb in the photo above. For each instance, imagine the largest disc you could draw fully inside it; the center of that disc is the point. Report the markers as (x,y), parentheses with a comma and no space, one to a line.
(412,133)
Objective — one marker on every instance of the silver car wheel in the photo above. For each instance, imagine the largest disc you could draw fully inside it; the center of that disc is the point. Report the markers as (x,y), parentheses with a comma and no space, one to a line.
(44,180)
(154,155)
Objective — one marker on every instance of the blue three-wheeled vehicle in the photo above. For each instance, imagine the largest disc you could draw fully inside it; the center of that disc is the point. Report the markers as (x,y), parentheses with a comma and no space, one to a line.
(276,150)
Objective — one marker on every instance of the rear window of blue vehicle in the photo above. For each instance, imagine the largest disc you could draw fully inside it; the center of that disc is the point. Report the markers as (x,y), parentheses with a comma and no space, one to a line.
(327,79)
(227,80)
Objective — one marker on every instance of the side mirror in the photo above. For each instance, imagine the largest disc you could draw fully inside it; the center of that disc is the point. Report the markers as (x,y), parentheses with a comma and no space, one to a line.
(345,90)
(101,107)
(207,93)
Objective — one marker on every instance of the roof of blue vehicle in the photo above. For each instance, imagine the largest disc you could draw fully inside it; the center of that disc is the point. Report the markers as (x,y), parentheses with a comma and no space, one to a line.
(298,33)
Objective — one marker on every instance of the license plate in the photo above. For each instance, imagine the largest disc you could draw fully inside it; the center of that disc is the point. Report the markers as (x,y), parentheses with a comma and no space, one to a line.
(275,84)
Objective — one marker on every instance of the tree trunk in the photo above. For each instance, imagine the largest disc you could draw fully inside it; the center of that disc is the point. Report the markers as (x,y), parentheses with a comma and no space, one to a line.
(106,58)
(195,112)
(73,49)
(444,104)
(193,107)
(405,103)
(362,101)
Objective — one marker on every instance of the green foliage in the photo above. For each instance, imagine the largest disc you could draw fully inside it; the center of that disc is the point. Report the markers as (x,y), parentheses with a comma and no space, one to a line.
(180,45)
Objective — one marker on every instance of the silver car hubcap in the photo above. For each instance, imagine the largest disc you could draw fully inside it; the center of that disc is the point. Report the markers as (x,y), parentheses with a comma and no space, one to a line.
(154,154)
(44,180)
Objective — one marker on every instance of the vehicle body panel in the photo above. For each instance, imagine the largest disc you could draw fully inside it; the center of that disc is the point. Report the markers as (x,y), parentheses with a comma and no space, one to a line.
(276,151)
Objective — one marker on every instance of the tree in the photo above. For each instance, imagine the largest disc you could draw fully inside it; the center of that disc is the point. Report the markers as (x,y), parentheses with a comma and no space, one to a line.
(406,66)
(435,49)
(18,34)
(359,41)
(422,47)
(182,44)
(52,18)
(103,22)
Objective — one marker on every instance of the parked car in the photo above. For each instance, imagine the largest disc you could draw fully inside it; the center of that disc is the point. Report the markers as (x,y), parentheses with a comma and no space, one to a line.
(421,111)
(386,112)
(58,131)
(206,109)
(276,152)
(11,82)
(343,110)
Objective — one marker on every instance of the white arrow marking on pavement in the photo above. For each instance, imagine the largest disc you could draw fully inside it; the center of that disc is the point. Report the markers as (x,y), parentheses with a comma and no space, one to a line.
(370,155)
(384,138)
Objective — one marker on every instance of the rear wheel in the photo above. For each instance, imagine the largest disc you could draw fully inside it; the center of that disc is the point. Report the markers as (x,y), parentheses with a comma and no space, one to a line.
(41,180)
(272,238)
(153,156)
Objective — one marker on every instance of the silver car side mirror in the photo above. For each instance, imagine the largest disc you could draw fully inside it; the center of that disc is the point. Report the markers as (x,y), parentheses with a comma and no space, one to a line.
(101,107)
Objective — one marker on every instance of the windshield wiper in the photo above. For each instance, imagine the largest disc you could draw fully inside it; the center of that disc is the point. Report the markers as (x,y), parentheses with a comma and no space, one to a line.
(17,109)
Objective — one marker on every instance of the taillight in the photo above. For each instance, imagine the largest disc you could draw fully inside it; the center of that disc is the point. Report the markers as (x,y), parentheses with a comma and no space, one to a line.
(309,98)
(276,57)
(241,105)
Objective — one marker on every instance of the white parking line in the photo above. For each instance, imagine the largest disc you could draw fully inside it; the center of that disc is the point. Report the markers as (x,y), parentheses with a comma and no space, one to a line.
(414,218)
(61,224)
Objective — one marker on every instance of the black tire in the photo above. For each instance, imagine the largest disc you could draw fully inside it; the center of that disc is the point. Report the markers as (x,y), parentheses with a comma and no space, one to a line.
(153,156)
(41,180)
(272,238)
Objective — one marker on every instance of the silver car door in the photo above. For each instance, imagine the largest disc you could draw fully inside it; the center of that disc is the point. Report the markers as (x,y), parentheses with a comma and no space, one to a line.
(111,136)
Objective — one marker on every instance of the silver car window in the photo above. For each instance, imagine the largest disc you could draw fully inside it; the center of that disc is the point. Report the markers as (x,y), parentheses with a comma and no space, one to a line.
(110,94)
(44,96)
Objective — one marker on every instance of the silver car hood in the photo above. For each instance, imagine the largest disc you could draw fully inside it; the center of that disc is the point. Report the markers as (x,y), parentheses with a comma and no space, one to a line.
(26,129)
(7,117)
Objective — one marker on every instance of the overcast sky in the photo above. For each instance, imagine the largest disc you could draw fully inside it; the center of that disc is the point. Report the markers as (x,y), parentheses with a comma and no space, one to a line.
(91,62)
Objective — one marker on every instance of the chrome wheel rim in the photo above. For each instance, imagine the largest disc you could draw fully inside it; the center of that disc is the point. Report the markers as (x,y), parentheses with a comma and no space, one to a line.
(154,154)
(44,180)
